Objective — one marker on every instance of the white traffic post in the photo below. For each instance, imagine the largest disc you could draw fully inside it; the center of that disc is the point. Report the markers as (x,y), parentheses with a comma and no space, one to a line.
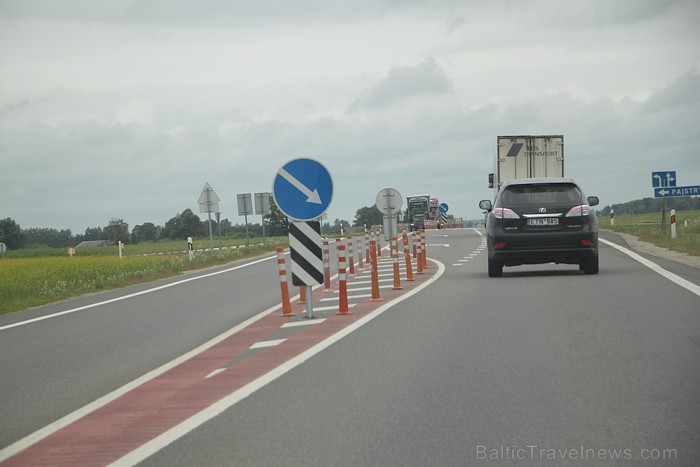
(673,224)
(612,218)
(190,250)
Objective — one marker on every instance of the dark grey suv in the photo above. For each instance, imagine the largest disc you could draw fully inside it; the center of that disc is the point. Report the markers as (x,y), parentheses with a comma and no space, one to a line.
(541,220)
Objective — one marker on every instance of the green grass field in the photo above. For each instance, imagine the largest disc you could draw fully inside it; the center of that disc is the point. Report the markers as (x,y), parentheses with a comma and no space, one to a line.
(648,228)
(38,276)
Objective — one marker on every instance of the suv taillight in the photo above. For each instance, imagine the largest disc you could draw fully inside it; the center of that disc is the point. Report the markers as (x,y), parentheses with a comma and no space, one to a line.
(505,213)
(579,211)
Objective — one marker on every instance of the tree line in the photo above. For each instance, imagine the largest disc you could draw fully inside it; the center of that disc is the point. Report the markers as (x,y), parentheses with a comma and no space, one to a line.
(182,225)
(650,205)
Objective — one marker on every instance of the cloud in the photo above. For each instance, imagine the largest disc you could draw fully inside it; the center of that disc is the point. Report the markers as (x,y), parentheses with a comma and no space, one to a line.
(684,91)
(405,82)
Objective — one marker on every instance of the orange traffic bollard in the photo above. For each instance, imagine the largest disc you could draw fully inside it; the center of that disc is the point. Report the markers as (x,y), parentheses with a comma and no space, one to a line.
(407,254)
(424,256)
(302,295)
(375,271)
(342,282)
(419,256)
(351,256)
(286,304)
(395,260)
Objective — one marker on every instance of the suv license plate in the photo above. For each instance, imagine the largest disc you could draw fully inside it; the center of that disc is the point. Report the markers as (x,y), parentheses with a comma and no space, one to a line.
(543,221)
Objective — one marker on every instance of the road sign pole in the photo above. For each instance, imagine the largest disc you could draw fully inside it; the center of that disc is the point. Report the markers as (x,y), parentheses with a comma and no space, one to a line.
(211,236)
(247,239)
(663,214)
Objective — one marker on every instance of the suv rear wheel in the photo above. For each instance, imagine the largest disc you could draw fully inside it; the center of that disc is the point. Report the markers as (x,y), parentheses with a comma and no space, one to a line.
(589,265)
(495,268)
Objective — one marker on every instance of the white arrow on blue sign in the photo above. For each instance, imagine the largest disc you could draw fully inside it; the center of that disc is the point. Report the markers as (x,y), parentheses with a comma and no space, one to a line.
(663,179)
(669,192)
(303,189)
(444,207)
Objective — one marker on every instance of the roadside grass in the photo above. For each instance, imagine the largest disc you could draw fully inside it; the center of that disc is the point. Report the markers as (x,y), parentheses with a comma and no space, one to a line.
(648,228)
(34,279)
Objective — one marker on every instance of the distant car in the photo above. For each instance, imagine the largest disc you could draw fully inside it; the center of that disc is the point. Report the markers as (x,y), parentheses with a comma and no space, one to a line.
(541,220)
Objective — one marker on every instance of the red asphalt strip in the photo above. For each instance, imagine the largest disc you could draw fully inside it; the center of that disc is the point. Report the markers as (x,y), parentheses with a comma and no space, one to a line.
(121,426)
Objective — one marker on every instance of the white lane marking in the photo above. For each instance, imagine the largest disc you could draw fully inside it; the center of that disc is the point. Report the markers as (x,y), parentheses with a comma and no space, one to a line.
(359,289)
(135,294)
(465,260)
(694,288)
(458,264)
(350,297)
(215,372)
(266,344)
(305,322)
(177,432)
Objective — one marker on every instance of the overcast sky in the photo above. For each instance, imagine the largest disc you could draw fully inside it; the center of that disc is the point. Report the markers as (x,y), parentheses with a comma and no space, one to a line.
(126,108)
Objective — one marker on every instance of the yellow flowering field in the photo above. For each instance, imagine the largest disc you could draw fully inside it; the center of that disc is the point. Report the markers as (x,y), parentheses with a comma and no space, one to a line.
(26,282)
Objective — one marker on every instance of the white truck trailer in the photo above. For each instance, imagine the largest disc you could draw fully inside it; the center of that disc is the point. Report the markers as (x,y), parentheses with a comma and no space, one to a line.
(527,156)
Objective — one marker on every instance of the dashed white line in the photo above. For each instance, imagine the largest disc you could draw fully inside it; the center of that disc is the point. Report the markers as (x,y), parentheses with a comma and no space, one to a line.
(305,322)
(265,344)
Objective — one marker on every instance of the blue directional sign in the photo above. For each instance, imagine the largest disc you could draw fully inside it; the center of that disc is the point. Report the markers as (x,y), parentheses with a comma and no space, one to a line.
(303,189)
(444,207)
(668,192)
(663,179)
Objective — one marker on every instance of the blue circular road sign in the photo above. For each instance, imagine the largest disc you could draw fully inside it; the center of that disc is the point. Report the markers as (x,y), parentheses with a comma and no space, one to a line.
(443,207)
(303,189)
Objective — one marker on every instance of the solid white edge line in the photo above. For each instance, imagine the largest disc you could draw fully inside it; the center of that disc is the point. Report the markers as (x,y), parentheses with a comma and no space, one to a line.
(135,294)
(156,444)
(694,288)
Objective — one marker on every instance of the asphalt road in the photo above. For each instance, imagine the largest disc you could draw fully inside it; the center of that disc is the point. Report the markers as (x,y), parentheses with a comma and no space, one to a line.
(542,366)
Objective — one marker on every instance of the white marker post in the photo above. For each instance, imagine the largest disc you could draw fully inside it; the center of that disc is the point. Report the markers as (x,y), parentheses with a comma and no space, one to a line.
(673,224)
(612,218)
(190,250)
(120,249)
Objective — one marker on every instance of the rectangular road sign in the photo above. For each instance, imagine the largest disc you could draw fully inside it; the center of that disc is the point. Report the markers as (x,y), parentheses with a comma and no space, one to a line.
(262,203)
(668,192)
(245,205)
(663,179)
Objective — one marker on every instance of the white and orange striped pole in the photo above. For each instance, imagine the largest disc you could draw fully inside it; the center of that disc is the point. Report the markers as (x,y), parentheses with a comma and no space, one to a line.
(367,254)
(414,240)
(395,260)
(351,256)
(407,254)
(342,282)
(375,271)
(424,244)
(359,253)
(326,266)
(286,304)
(419,254)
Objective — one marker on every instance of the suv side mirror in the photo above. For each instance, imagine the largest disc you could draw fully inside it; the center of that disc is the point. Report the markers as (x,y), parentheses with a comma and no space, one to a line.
(593,201)
(485,204)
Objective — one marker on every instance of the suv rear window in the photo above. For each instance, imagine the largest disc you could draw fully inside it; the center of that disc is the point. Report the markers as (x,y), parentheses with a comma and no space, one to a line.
(559,193)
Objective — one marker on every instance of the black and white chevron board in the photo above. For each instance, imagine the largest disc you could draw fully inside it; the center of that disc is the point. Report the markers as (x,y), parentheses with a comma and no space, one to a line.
(306,253)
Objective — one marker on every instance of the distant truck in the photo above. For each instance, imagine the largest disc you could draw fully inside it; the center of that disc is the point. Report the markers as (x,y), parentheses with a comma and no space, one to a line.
(527,156)
(417,211)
